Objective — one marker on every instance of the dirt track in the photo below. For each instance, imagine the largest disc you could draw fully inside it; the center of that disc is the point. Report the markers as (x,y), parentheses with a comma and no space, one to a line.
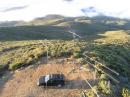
(22,83)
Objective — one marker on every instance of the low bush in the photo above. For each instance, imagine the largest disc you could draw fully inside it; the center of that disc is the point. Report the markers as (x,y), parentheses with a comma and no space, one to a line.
(106,87)
(125,92)
(17,63)
(18,56)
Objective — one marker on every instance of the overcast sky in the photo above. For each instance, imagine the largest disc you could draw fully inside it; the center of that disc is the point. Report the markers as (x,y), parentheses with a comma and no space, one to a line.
(30,9)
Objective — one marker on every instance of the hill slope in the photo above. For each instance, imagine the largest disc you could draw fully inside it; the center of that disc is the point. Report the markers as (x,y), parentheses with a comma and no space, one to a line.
(106,40)
(57,27)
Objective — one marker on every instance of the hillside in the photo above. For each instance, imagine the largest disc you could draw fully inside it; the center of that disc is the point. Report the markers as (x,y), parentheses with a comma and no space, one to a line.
(23,51)
(57,27)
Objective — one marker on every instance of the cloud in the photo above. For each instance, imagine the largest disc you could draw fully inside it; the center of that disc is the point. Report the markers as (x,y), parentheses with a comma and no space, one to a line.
(68,0)
(17,9)
(91,11)
(14,8)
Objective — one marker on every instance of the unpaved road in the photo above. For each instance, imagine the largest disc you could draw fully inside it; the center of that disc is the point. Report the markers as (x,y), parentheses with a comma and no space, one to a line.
(22,83)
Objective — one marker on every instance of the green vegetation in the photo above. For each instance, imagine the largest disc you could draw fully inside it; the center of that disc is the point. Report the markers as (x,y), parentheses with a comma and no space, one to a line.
(107,40)
(113,51)
(125,92)
(18,55)
(56,27)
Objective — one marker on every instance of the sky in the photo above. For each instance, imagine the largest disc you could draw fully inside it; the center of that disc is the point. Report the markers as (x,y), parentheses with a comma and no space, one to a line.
(11,10)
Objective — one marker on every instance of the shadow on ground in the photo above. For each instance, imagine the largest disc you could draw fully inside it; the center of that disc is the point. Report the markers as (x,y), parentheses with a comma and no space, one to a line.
(73,84)
(4,78)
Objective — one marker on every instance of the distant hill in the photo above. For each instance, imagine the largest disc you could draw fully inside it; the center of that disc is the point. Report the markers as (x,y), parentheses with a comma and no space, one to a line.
(57,27)
(60,20)
(12,23)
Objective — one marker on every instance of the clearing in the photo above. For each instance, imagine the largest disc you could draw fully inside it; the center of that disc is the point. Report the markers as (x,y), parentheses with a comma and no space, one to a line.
(22,82)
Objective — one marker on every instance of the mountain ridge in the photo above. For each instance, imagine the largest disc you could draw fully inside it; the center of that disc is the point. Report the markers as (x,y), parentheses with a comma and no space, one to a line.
(53,19)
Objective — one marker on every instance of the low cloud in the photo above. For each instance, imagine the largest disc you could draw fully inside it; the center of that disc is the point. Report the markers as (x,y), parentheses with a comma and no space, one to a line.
(91,11)
(14,8)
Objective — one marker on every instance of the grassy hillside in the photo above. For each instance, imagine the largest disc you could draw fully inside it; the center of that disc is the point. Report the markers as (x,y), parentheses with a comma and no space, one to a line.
(24,53)
(106,39)
(33,33)
(57,27)
(112,49)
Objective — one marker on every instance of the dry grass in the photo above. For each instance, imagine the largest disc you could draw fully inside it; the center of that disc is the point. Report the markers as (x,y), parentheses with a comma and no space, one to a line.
(114,37)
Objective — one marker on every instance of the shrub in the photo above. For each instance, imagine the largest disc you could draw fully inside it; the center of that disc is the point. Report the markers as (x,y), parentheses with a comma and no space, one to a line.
(90,93)
(104,77)
(76,54)
(29,54)
(126,92)
(106,87)
(17,63)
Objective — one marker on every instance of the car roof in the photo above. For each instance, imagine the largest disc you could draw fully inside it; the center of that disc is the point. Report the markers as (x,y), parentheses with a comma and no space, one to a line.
(52,76)
(57,76)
